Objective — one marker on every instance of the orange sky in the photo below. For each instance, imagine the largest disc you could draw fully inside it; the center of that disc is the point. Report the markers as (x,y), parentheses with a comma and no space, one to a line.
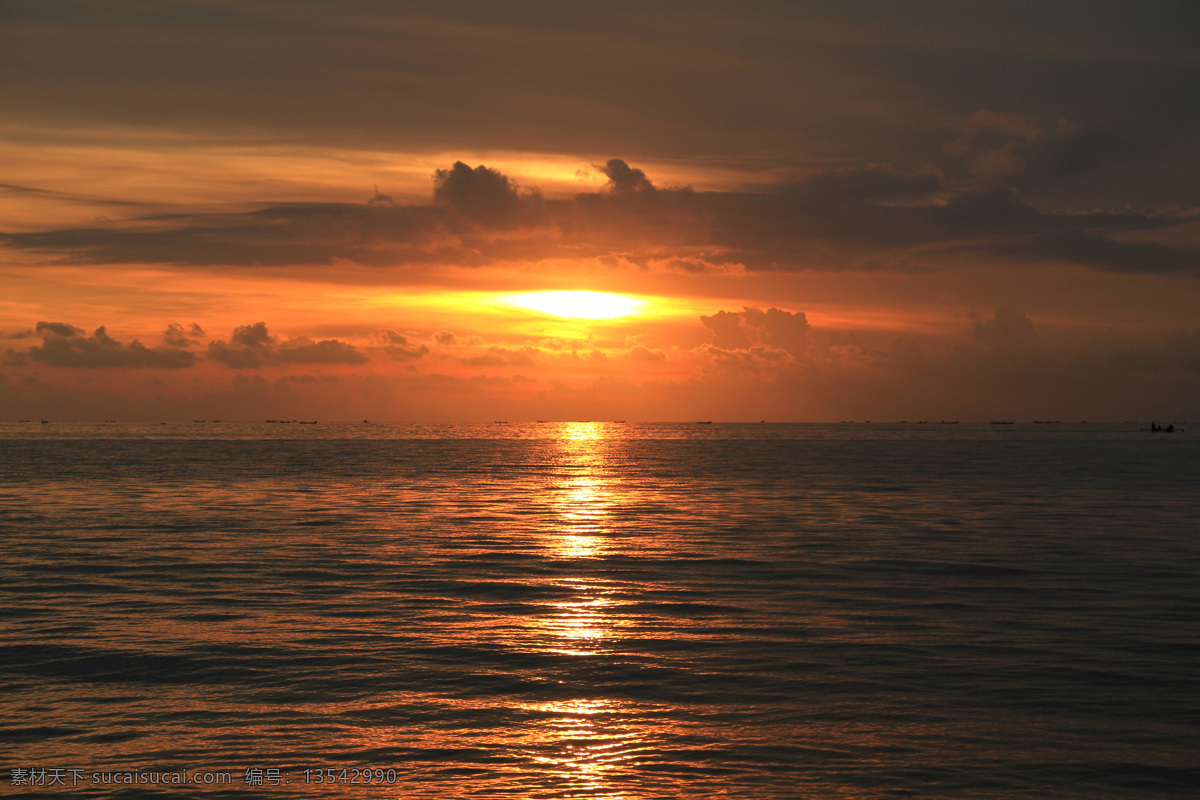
(279,212)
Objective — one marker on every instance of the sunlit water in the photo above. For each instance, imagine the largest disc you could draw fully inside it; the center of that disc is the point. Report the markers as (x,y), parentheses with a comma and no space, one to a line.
(602,610)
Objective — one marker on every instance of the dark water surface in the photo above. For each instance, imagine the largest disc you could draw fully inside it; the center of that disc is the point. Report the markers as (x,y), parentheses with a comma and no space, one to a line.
(602,610)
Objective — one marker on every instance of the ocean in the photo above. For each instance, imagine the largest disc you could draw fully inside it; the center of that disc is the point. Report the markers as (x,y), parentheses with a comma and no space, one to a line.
(600,610)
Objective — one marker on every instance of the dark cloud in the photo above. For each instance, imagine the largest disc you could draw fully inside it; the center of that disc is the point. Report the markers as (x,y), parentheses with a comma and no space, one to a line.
(253,346)
(1082,247)
(1008,328)
(399,348)
(753,327)
(64,345)
(295,233)
(177,336)
(623,178)
(869,217)
(481,192)
(778,81)
(485,195)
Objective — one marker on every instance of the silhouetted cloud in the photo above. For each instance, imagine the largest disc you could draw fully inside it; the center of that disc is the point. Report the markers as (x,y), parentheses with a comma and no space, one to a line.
(485,195)
(253,346)
(1008,328)
(623,178)
(750,327)
(177,336)
(399,348)
(873,216)
(65,345)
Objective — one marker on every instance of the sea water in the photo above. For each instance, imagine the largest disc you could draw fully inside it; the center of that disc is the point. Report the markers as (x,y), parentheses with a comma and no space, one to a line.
(599,610)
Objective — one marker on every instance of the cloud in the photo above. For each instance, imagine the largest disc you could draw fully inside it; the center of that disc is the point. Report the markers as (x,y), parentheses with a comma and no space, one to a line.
(253,346)
(1014,148)
(623,179)
(1177,351)
(485,195)
(868,217)
(1007,329)
(176,336)
(65,345)
(504,357)
(399,348)
(642,353)
(751,327)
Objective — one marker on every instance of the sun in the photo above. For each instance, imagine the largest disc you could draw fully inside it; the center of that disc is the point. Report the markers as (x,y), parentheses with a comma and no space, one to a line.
(577,304)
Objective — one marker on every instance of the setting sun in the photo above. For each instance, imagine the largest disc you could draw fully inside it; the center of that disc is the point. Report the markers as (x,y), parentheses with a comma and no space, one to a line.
(577,304)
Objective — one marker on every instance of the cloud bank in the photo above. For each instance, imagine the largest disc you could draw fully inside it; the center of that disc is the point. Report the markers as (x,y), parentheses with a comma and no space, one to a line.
(870,217)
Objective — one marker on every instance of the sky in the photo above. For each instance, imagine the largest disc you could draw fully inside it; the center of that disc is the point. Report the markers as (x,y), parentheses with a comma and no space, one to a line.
(475,211)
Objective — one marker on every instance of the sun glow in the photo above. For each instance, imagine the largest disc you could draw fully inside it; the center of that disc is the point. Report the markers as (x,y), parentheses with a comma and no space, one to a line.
(577,304)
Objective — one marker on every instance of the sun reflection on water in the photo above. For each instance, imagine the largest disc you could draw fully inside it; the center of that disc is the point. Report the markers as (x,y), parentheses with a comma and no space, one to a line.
(592,747)
(586,745)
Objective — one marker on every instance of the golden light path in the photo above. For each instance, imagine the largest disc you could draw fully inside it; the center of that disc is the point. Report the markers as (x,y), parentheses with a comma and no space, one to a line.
(577,304)
(588,743)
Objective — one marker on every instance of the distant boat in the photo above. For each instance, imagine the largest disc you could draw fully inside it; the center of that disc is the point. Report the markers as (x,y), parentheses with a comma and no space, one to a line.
(705,422)
(951,422)
(1002,422)
(618,422)
(302,422)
